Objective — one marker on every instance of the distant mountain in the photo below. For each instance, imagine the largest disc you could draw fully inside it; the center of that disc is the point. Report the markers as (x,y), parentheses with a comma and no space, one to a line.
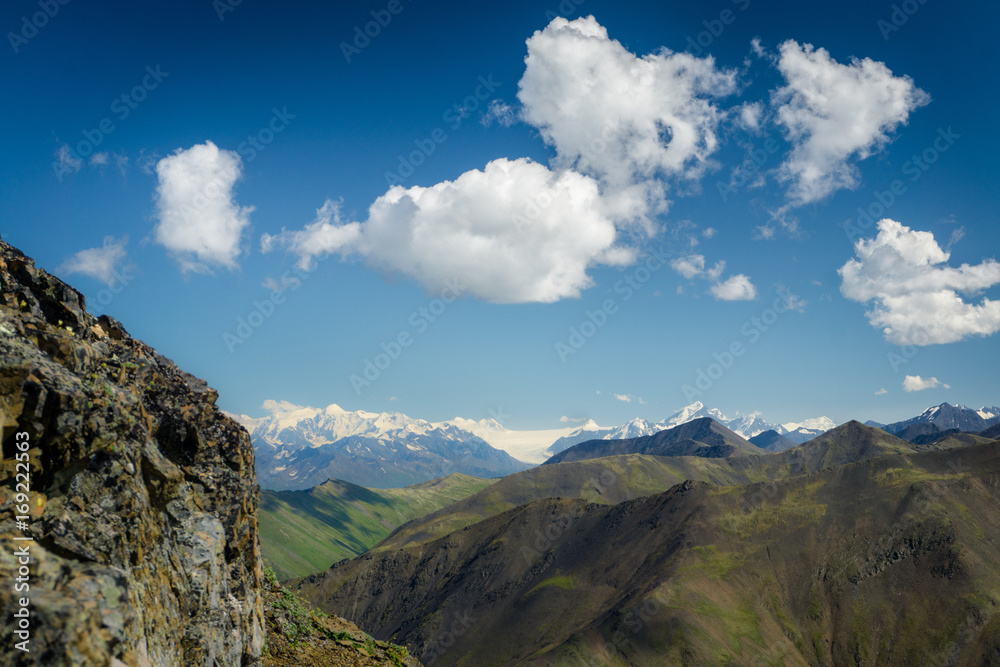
(746,425)
(835,567)
(703,437)
(920,433)
(608,480)
(302,532)
(614,479)
(772,441)
(992,432)
(799,432)
(946,416)
(297,448)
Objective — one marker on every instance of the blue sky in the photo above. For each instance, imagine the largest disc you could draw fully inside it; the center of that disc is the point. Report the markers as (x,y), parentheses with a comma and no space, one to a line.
(205,154)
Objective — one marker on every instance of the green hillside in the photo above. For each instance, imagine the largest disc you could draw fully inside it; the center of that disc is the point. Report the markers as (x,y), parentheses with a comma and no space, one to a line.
(302,532)
(614,479)
(893,559)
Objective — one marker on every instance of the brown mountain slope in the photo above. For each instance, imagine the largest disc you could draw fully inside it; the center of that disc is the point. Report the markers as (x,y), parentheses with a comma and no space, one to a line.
(892,560)
(613,479)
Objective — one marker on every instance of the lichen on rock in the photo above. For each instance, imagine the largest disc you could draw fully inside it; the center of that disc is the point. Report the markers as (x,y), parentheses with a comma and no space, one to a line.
(143,493)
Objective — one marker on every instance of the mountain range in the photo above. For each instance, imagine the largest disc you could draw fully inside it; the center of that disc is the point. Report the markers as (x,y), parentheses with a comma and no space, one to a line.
(857,547)
(301,447)
(946,417)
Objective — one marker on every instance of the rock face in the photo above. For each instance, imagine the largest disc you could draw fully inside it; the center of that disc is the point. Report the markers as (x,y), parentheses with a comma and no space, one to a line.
(143,496)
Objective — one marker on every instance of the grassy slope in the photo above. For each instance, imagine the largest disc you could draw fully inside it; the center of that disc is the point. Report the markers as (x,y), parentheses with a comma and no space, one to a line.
(608,480)
(892,560)
(306,531)
(614,479)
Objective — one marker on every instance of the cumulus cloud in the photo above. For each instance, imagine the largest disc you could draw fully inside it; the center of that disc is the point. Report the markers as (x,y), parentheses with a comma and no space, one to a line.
(916,383)
(835,114)
(101,263)
(915,295)
(735,288)
(515,232)
(622,128)
(200,224)
(625,398)
(100,159)
(565,420)
(881,392)
(627,120)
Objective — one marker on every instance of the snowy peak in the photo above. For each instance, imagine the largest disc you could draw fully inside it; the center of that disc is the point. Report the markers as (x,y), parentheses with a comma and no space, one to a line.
(947,416)
(815,424)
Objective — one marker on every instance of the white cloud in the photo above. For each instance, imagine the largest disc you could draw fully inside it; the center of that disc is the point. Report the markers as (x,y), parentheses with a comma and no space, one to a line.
(499,111)
(199,222)
(881,392)
(623,119)
(956,236)
(693,266)
(709,232)
(515,232)
(566,420)
(68,161)
(915,294)
(100,159)
(690,266)
(735,288)
(916,383)
(834,114)
(101,263)
(625,398)
(749,115)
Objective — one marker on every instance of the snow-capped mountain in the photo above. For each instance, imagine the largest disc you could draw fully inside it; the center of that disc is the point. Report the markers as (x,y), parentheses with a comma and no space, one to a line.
(946,416)
(747,425)
(299,447)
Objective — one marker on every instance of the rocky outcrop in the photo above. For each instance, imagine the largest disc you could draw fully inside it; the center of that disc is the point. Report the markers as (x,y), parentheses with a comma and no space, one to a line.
(143,496)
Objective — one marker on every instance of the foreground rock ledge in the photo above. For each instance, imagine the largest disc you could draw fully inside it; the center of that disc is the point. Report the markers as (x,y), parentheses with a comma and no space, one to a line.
(143,494)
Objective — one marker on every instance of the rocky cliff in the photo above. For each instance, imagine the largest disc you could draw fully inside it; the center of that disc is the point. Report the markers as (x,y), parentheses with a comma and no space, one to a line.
(143,497)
